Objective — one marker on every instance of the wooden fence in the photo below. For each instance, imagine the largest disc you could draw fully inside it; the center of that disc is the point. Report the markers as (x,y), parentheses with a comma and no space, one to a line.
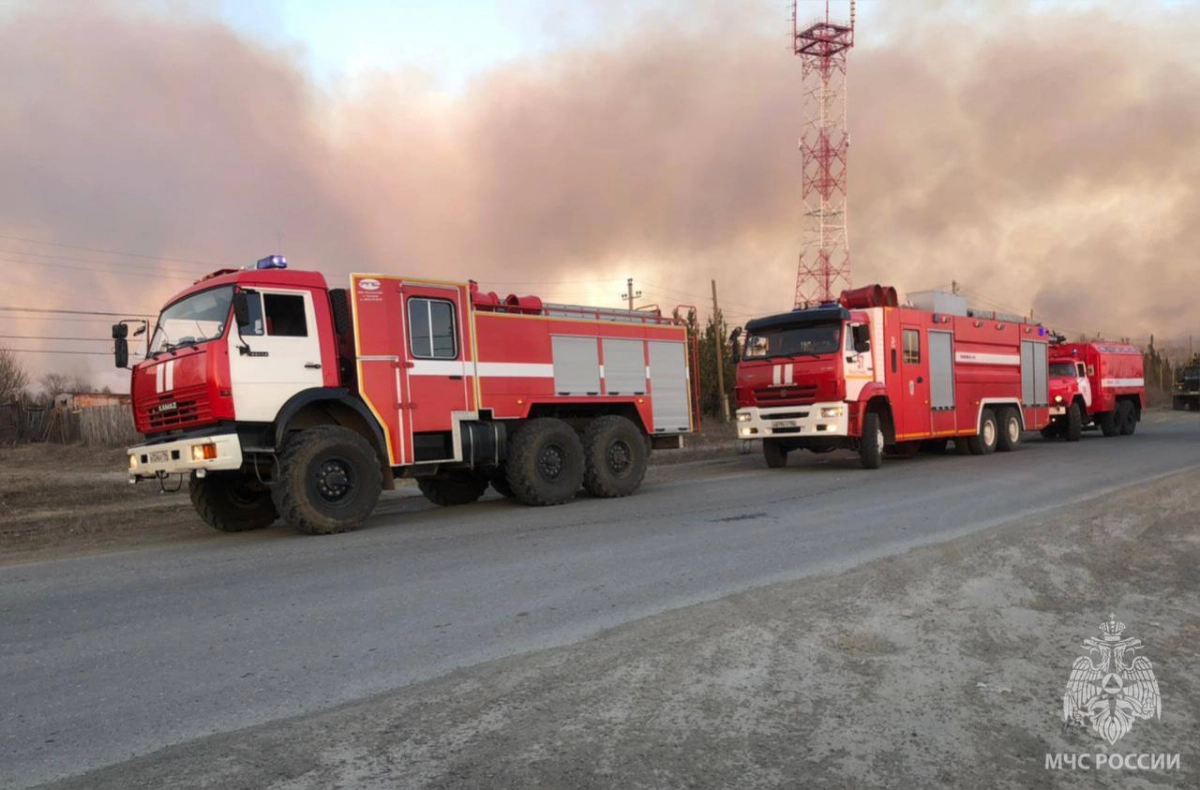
(97,425)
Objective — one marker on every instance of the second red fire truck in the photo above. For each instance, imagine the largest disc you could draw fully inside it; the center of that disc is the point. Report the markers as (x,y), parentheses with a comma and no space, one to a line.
(278,396)
(868,374)
(1100,384)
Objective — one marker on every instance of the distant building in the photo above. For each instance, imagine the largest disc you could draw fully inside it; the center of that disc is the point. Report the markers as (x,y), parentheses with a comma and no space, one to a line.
(88,400)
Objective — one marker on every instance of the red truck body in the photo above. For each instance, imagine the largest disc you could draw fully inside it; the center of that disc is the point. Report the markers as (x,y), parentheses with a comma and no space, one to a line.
(253,372)
(1101,384)
(867,374)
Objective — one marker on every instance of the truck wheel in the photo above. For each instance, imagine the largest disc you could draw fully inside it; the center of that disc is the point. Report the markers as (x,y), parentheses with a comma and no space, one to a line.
(545,462)
(1074,422)
(453,488)
(870,446)
(614,457)
(1109,424)
(1127,418)
(328,481)
(232,502)
(774,454)
(984,442)
(1009,437)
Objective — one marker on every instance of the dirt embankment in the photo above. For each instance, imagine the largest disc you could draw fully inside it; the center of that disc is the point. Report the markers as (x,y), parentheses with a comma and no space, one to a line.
(941,667)
(62,500)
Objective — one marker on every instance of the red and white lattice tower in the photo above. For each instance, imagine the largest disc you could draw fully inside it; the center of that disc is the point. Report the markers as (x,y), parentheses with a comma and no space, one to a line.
(822,46)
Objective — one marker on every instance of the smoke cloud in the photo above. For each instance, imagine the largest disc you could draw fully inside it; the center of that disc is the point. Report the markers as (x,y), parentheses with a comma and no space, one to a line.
(1045,159)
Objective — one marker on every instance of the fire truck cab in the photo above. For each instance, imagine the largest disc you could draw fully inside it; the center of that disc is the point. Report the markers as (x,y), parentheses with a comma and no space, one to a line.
(280,397)
(1099,385)
(869,375)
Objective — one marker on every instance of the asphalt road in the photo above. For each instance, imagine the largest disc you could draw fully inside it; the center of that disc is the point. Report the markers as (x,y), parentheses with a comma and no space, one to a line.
(114,656)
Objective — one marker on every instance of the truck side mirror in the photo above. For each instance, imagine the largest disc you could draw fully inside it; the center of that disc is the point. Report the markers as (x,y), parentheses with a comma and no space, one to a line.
(120,345)
(861,334)
(735,346)
(241,308)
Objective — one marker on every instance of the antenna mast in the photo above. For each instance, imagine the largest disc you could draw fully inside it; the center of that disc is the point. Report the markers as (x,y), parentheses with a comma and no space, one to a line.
(822,46)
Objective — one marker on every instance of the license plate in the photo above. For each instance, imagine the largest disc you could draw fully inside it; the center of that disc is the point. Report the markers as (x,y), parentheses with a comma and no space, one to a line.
(786,423)
(159,457)
(1056,410)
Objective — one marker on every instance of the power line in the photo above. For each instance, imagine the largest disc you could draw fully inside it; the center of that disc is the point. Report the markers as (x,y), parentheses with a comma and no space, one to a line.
(111,252)
(46,337)
(43,310)
(166,275)
(144,267)
(80,353)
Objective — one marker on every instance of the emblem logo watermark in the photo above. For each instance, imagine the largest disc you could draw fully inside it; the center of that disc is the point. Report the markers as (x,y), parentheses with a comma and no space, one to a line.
(1108,691)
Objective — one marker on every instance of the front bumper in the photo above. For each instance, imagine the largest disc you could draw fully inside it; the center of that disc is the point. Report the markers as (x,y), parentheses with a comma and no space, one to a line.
(175,458)
(814,421)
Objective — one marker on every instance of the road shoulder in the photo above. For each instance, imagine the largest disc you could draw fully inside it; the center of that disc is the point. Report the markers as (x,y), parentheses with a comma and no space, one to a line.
(944,666)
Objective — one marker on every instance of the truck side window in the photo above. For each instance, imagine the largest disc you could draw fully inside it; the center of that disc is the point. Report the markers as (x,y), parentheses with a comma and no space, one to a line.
(1080,370)
(431,332)
(912,347)
(285,315)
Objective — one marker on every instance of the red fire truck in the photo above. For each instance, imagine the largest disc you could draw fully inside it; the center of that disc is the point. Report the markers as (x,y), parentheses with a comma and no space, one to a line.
(278,396)
(1101,384)
(867,374)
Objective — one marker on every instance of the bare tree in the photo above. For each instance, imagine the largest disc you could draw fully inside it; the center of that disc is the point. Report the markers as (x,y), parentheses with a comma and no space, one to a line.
(57,383)
(13,376)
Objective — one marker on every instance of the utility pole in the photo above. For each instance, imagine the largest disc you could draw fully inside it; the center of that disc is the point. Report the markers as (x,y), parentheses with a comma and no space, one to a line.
(719,342)
(954,287)
(630,294)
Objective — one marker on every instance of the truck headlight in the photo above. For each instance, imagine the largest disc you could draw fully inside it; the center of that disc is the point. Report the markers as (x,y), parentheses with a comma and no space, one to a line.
(743,416)
(831,411)
(1058,398)
(133,463)
(204,452)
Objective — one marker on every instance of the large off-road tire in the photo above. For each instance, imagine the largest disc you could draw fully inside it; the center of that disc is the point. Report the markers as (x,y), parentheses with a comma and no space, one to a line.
(1109,424)
(870,446)
(545,462)
(1009,436)
(774,453)
(1072,427)
(615,456)
(984,442)
(232,501)
(1127,418)
(459,487)
(328,481)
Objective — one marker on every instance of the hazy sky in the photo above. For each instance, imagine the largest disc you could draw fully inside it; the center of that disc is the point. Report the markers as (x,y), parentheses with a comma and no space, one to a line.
(1045,155)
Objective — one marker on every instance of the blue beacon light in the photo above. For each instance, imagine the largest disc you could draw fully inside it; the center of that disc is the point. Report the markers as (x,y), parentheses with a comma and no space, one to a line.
(271,262)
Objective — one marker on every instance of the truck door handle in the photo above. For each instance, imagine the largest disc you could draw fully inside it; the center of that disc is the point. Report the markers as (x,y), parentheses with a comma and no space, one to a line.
(313,366)
(920,379)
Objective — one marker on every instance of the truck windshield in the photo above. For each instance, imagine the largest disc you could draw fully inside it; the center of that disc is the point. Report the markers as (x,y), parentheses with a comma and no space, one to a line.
(193,320)
(1062,369)
(794,341)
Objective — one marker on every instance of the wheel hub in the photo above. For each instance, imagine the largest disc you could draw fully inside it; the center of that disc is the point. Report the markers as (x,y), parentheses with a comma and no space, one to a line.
(334,480)
(620,458)
(550,462)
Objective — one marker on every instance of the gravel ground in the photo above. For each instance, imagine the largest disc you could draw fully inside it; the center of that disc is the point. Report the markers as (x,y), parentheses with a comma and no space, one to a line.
(941,667)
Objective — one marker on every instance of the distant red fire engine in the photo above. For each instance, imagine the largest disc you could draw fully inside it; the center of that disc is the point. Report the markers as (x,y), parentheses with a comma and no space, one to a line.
(1099,384)
(279,396)
(867,374)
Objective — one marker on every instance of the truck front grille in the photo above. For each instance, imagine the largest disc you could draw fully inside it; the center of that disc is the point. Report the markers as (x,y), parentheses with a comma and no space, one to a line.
(175,411)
